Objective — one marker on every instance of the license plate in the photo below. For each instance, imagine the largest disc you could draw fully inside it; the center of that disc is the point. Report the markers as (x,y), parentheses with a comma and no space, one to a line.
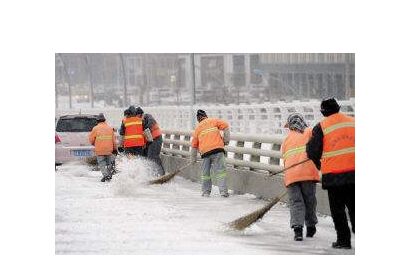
(82,153)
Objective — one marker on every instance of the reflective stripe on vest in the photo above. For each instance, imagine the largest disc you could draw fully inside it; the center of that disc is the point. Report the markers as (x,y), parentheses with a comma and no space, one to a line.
(338,126)
(133,123)
(133,136)
(294,151)
(104,137)
(338,152)
(208,130)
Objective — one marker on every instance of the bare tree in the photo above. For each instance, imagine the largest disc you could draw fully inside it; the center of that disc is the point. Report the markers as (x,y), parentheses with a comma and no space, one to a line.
(67,77)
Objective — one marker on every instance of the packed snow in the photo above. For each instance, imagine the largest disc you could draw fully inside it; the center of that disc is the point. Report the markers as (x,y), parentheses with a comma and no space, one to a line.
(129,216)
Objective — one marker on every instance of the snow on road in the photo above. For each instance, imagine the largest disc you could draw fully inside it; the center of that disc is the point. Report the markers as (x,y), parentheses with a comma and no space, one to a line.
(127,216)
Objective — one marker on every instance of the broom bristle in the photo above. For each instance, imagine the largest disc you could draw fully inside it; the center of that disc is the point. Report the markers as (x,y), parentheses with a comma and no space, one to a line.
(163,179)
(166,178)
(247,220)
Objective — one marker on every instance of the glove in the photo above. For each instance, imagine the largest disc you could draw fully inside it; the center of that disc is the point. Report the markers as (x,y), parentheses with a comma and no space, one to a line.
(148,135)
(194,153)
(120,149)
(226,136)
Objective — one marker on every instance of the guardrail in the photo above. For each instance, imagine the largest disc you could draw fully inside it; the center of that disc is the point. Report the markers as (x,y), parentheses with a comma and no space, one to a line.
(264,118)
(253,152)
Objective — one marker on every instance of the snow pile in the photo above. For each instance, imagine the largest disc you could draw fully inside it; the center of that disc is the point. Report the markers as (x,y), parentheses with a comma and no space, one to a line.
(132,177)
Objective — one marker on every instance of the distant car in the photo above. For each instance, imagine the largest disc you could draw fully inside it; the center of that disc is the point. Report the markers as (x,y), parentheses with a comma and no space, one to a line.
(72,141)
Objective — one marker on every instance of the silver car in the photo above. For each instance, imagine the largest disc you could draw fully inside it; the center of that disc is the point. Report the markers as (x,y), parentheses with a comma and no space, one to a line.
(72,141)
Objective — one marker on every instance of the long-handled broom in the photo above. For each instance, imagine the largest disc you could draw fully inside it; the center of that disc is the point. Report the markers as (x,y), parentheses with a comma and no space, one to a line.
(166,178)
(245,221)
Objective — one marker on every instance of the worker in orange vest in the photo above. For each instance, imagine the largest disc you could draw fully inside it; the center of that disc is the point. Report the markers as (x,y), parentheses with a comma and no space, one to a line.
(103,138)
(300,180)
(332,149)
(132,134)
(208,141)
(154,139)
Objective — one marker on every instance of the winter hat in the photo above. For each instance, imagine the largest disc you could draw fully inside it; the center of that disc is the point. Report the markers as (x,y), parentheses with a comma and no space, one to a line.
(201,113)
(101,118)
(126,112)
(296,122)
(329,106)
(139,111)
(132,110)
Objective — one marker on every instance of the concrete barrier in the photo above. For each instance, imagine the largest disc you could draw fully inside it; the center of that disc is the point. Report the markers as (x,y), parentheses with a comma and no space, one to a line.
(244,175)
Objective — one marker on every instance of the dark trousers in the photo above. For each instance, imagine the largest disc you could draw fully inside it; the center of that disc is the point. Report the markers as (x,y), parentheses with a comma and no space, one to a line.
(339,198)
(137,151)
(302,201)
(153,153)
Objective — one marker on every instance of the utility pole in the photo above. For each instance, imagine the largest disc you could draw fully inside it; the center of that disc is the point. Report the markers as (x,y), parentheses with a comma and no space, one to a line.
(192,90)
(124,78)
(90,79)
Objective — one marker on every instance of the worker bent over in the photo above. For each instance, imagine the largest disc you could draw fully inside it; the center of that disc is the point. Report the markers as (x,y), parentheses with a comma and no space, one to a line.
(103,138)
(154,139)
(207,139)
(132,133)
(300,180)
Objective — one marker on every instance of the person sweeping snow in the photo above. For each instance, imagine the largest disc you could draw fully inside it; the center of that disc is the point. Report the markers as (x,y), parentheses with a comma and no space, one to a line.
(332,149)
(103,138)
(207,139)
(300,180)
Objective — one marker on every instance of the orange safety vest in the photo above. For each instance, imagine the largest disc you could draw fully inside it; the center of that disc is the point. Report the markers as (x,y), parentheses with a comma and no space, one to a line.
(156,131)
(338,144)
(207,135)
(133,136)
(102,137)
(294,151)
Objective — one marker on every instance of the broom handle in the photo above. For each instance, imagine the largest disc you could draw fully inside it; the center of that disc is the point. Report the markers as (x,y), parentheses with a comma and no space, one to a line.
(183,167)
(289,167)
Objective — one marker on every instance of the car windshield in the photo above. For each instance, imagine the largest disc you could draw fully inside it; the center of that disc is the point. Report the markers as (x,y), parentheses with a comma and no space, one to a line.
(76,124)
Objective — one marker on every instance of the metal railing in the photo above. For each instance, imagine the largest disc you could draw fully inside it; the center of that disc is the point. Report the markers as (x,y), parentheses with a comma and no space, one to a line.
(253,152)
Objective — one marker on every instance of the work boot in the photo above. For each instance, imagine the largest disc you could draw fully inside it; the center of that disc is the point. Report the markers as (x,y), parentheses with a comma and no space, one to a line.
(298,231)
(341,245)
(106,178)
(310,231)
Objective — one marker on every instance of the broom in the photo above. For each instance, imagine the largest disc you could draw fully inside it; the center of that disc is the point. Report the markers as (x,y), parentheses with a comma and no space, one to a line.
(166,178)
(247,220)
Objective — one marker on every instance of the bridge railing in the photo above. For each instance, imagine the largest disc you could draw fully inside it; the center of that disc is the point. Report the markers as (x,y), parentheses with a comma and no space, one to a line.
(249,158)
(263,118)
(251,152)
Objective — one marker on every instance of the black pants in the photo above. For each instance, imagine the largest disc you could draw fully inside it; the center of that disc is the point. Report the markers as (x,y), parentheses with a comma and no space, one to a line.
(137,151)
(339,198)
(153,153)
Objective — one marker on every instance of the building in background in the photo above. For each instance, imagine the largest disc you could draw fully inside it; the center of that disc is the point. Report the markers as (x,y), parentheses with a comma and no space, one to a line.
(165,79)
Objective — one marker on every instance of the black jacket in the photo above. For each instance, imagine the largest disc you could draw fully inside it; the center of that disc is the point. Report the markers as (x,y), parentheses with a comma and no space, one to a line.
(148,121)
(314,150)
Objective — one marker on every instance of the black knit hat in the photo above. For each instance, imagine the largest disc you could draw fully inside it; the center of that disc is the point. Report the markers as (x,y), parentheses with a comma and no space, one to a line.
(126,112)
(132,110)
(329,106)
(139,111)
(101,118)
(201,113)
